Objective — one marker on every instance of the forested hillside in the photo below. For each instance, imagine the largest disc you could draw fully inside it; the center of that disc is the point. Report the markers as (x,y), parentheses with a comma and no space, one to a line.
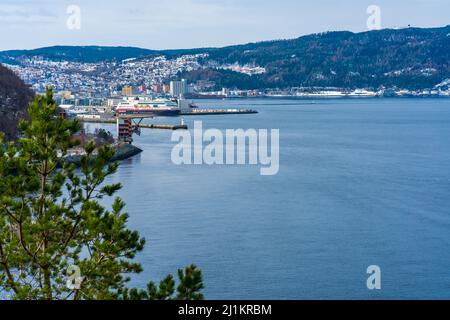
(14,99)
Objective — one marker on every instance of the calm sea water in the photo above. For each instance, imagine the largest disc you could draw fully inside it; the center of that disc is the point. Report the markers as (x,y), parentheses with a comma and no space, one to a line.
(362,182)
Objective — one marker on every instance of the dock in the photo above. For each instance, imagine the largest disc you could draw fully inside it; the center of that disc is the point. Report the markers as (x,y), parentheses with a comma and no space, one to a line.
(163,126)
(193,112)
(204,112)
(146,126)
(98,120)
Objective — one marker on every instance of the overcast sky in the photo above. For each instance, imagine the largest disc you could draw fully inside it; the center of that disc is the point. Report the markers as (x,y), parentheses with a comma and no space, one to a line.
(164,24)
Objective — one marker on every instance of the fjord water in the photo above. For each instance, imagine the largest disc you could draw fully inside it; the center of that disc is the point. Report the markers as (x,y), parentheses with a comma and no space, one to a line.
(362,182)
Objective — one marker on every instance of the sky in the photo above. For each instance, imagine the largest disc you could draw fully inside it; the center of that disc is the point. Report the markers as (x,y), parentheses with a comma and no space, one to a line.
(163,24)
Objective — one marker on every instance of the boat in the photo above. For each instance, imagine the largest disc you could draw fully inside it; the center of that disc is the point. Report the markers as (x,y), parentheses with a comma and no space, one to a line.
(362,93)
(148,107)
(75,113)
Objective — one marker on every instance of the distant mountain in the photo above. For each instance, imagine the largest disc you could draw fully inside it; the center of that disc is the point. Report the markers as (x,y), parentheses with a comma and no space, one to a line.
(14,99)
(411,58)
(86,54)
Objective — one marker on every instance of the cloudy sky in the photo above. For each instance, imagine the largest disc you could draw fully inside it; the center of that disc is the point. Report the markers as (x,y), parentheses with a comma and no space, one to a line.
(164,24)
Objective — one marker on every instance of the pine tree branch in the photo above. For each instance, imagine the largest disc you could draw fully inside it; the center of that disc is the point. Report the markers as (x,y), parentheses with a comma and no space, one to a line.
(5,265)
(25,247)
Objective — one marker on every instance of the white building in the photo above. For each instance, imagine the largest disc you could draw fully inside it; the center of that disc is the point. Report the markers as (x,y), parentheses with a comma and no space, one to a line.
(178,88)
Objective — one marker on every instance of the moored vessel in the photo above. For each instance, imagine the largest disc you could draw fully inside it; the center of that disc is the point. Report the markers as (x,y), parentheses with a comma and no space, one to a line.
(148,108)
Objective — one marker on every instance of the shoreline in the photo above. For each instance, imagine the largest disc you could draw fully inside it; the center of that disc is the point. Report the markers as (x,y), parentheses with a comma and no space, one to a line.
(324,97)
(123,152)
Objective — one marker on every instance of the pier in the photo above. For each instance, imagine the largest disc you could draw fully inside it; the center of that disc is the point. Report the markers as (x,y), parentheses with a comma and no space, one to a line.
(163,126)
(146,126)
(127,125)
(204,112)
(97,120)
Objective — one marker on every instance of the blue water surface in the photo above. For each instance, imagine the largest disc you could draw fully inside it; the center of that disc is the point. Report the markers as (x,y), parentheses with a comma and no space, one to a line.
(362,182)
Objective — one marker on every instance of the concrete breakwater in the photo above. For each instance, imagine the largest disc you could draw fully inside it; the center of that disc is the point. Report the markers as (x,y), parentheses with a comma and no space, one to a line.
(126,151)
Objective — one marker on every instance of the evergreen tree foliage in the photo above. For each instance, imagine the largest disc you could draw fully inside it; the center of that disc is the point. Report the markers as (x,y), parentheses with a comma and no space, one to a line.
(56,239)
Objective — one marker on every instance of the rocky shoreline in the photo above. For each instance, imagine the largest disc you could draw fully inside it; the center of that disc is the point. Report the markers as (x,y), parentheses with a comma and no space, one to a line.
(123,152)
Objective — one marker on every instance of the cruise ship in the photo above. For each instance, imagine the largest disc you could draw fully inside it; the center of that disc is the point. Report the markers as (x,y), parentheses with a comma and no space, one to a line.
(148,107)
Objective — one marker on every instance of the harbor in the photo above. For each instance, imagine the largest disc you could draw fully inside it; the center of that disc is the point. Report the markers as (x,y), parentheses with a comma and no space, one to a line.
(194,112)
(91,118)
(129,114)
